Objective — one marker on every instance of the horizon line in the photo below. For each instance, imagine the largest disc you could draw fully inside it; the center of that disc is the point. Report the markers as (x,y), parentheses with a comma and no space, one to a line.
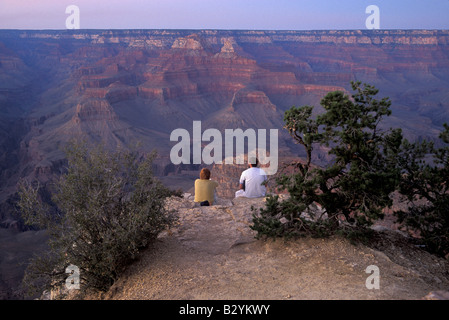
(221,29)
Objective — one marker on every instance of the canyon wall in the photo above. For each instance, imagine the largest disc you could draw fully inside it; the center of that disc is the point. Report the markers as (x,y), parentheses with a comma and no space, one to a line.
(123,87)
(126,86)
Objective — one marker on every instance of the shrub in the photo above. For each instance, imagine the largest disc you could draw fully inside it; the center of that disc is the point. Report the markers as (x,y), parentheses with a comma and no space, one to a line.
(351,192)
(424,185)
(105,209)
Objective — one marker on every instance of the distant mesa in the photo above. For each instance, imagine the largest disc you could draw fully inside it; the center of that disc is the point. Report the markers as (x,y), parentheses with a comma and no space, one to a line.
(124,86)
(191,42)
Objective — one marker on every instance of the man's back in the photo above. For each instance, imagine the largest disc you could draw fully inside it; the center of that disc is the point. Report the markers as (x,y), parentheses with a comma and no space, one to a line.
(252,179)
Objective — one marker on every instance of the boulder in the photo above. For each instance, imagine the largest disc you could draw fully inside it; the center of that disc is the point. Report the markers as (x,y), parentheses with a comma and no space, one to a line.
(214,229)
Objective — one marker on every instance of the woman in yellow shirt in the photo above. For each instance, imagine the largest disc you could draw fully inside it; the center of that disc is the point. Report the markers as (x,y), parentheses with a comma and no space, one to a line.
(205,188)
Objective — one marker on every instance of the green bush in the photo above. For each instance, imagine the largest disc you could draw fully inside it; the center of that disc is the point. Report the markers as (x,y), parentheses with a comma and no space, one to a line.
(105,209)
(424,186)
(368,165)
(351,192)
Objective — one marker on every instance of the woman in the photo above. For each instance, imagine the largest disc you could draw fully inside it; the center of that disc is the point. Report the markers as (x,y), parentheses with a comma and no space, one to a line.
(205,188)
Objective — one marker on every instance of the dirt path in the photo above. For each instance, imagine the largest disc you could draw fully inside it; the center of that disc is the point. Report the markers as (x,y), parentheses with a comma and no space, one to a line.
(212,254)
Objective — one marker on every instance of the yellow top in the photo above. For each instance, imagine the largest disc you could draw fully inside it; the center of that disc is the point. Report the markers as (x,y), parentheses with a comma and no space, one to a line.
(204,190)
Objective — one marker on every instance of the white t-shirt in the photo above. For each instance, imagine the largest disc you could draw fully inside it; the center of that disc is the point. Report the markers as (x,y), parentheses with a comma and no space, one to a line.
(253,179)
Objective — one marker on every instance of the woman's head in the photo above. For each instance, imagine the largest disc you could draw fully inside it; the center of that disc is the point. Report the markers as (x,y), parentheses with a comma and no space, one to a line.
(205,174)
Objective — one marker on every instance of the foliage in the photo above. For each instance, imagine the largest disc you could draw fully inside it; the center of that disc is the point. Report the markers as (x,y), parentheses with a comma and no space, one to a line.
(424,186)
(106,208)
(352,191)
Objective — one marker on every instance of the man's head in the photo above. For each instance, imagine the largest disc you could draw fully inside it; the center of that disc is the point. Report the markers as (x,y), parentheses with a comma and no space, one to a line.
(205,174)
(253,162)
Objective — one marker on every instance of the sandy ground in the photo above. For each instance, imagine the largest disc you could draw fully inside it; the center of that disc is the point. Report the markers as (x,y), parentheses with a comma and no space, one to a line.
(212,254)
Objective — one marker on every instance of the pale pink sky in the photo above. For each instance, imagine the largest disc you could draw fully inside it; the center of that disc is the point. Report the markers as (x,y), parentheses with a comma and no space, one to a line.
(224,14)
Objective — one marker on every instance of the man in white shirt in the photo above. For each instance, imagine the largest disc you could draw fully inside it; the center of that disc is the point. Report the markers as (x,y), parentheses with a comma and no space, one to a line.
(251,181)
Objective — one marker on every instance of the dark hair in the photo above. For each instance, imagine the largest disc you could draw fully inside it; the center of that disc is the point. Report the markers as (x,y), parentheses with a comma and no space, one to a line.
(254,162)
(205,174)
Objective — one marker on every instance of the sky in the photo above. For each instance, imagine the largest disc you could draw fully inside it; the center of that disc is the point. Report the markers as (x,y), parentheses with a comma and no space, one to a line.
(225,14)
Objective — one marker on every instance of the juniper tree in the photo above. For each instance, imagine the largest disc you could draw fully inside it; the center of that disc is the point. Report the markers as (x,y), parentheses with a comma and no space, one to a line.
(424,186)
(355,187)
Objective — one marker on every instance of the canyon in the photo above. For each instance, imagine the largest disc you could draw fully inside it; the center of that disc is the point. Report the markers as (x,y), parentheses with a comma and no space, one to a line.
(129,87)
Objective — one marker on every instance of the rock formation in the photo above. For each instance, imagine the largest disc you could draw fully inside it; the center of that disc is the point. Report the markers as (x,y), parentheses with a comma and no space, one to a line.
(139,85)
(127,86)
(211,253)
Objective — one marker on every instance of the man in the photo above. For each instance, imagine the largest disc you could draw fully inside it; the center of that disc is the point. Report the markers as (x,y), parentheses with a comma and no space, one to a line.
(251,181)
